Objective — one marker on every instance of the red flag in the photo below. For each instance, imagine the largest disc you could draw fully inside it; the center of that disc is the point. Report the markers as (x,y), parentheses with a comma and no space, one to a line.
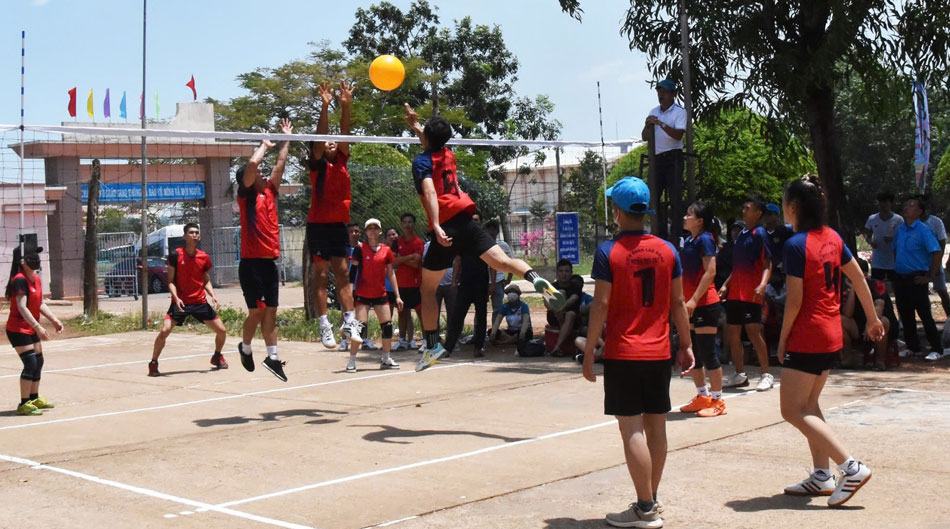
(72,102)
(191,84)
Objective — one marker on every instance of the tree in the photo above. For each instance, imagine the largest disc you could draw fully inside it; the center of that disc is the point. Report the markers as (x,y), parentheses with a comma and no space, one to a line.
(781,61)
(584,184)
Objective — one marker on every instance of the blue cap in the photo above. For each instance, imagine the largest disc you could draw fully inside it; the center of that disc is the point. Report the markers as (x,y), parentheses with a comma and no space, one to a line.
(667,84)
(773,208)
(631,194)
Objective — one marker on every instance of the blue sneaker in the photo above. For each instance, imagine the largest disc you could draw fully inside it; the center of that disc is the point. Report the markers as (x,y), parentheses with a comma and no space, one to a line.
(553,297)
(430,357)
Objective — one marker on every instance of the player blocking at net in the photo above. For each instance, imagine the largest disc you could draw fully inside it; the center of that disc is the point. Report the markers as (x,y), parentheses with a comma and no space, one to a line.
(327,235)
(190,286)
(260,249)
(450,213)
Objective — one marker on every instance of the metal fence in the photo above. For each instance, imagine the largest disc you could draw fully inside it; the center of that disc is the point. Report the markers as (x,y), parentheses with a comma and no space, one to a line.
(117,264)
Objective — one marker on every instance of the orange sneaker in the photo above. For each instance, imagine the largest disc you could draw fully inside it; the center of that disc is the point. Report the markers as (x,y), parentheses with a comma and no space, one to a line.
(699,402)
(716,408)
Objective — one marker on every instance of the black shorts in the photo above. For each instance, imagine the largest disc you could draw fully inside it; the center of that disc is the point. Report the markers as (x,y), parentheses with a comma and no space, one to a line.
(371,302)
(411,297)
(259,282)
(882,274)
(743,312)
(467,238)
(21,339)
(633,387)
(327,240)
(813,363)
(391,296)
(202,312)
(706,316)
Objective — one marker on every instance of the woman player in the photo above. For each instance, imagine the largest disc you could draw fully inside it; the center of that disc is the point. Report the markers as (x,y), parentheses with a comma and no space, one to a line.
(25,292)
(372,264)
(702,302)
(814,259)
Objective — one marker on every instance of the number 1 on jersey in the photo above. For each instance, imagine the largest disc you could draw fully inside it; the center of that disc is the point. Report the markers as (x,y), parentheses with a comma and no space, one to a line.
(647,278)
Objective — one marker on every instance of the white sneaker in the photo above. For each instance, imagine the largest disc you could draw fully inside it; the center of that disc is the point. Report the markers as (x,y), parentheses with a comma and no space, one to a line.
(388,363)
(399,346)
(351,366)
(737,380)
(368,345)
(430,356)
(765,383)
(812,486)
(634,517)
(848,485)
(352,330)
(344,345)
(933,356)
(326,337)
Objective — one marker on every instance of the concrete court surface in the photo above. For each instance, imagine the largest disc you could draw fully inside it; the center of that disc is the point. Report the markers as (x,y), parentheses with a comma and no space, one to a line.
(503,442)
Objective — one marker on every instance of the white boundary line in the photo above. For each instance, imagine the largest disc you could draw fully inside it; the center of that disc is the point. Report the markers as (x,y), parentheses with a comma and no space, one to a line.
(198,505)
(225,397)
(143,362)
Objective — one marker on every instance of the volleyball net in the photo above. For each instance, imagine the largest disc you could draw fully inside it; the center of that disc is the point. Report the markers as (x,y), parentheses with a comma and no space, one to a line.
(48,176)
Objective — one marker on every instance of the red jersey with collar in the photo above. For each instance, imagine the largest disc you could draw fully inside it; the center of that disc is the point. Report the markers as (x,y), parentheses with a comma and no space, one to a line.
(691,256)
(260,229)
(371,275)
(330,186)
(641,269)
(440,167)
(409,276)
(750,256)
(816,257)
(34,299)
(190,275)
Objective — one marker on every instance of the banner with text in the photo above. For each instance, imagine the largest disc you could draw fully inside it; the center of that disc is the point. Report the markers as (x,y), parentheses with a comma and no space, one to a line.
(568,238)
(156,191)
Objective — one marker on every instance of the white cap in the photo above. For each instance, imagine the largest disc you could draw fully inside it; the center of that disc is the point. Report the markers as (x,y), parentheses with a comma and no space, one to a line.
(370,222)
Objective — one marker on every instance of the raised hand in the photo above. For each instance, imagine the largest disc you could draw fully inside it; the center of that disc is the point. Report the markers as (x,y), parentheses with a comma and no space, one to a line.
(266,142)
(286,127)
(411,117)
(345,95)
(326,94)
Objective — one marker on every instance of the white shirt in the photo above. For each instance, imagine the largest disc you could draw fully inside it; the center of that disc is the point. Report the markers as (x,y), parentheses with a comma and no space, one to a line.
(936,226)
(674,117)
(882,234)
(500,276)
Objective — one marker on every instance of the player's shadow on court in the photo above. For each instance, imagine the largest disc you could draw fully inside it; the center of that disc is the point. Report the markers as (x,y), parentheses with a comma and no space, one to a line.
(571,523)
(781,501)
(389,434)
(318,415)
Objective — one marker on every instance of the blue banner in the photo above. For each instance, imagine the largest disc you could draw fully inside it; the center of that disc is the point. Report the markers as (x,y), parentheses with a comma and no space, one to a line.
(568,238)
(156,191)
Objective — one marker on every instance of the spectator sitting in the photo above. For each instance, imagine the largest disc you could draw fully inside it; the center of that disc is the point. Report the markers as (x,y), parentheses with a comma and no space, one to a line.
(854,321)
(565,319)
(517,314)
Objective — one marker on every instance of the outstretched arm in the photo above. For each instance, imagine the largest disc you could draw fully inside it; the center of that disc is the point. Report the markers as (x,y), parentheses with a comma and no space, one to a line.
(277,174)
(326,96)
(346,97)
(413,120)
(254,164)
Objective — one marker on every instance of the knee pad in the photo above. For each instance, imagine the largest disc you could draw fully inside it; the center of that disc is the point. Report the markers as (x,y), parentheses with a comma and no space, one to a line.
(704,345)
(39,367)
(387,329)
(29,364)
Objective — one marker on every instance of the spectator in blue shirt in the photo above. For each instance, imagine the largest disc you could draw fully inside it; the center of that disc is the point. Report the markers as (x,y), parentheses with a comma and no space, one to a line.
(518,316)
(917,261)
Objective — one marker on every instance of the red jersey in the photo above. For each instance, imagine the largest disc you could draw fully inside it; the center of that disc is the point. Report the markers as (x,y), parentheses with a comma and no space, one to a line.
(816,257)
(750,255)
(34,299)
(440,167)
(409,276)
(371,273)
(641,269)
(190,275)
(691,257)
(330,186)
(260,229)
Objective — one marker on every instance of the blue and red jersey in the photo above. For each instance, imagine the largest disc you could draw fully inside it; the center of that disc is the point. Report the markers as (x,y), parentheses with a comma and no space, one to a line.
(750,256)
(641,269)
(440,167)
(691,256)
(816,257)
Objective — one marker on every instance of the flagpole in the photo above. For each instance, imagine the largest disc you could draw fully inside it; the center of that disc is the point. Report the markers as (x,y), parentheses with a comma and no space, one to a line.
(22,143)
(603,156)
(143,275)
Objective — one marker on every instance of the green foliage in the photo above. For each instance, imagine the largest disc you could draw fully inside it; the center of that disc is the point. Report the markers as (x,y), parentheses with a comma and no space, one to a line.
(378,155)
(942,174)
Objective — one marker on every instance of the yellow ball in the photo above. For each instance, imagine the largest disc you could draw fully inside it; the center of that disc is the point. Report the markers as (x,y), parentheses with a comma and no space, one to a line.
(386,72)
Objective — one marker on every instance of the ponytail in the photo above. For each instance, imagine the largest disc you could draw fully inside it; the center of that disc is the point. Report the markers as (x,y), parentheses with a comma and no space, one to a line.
(809,199)
(14,270)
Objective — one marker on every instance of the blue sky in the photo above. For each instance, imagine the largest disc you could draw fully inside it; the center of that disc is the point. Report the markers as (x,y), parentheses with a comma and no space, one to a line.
(97,44)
